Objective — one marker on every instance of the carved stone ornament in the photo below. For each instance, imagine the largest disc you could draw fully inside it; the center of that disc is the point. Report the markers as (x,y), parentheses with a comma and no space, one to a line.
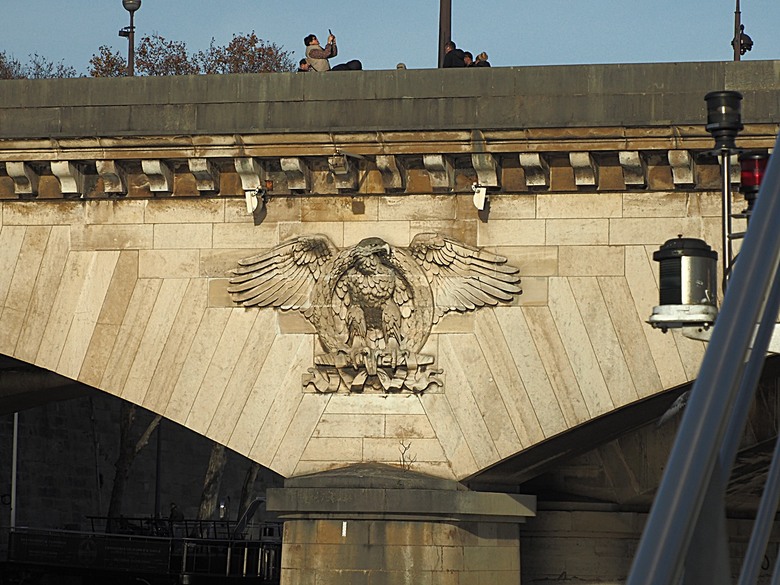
(373,305)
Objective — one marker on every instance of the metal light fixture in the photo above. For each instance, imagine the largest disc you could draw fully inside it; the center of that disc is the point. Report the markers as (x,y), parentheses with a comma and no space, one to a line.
(339,164)
(129,31)
(724,117)
(688,284)
(752,166)
(741,42)
(480,198)
(724,121)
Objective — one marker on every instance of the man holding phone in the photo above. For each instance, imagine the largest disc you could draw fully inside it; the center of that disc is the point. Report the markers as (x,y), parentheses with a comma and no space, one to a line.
(317,56)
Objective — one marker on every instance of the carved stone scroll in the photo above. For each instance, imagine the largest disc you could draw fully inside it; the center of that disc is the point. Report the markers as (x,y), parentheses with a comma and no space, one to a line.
(160,176)
(297,171)
(24,177)
(206,174)
(114,176)
(488,169)
(70,177)
(586,172)
(440,171)
(683,167)
(250,172)
(393,172)
(537,171)
(634,168)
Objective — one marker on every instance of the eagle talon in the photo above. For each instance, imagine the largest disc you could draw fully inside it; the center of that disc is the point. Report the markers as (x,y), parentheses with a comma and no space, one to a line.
(394,352)
(358,355)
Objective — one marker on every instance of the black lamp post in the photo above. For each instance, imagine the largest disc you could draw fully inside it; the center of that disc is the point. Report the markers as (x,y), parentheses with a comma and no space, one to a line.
(724,121)
(741,42)
(129,31)
(445,26)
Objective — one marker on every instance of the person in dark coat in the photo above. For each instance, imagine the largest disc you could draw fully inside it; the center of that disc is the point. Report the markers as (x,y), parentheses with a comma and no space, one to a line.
(482,60)
(453,56)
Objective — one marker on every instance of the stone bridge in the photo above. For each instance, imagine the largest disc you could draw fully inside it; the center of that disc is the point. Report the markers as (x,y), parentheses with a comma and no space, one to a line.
(125,207)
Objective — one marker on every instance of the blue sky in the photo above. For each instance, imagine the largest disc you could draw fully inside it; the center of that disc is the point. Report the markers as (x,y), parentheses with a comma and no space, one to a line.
(512,32)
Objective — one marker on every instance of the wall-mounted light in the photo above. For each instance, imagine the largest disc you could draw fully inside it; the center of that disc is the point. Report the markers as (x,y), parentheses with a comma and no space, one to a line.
(256,198)
(480,198)
(339,164)
(688,284)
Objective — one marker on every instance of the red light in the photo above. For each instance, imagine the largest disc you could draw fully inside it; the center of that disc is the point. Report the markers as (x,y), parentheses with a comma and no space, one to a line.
(753,166)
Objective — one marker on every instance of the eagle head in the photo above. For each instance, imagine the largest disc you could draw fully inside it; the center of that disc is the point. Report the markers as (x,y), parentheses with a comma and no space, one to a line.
(372,246)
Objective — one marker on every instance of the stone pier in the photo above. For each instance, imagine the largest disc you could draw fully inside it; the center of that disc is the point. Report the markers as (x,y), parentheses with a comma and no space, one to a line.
(376,524)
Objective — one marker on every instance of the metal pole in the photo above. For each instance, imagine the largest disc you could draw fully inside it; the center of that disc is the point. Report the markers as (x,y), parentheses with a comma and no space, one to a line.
(737,31)
(765,518)
(726,216)
(667,535)
(131,49)
(157,471)
(445,26)
(14,461)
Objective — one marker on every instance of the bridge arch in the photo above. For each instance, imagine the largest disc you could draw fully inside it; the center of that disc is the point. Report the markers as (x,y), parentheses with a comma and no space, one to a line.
(116,244)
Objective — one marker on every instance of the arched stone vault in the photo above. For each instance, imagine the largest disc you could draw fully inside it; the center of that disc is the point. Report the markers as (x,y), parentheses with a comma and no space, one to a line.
(123,307)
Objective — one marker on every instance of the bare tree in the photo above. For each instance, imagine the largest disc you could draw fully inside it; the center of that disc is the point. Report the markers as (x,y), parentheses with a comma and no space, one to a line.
(159,56)
(212,482)
(107,63)
(245,53)
(248,489)
(129,447)
(38,67)
(10,68)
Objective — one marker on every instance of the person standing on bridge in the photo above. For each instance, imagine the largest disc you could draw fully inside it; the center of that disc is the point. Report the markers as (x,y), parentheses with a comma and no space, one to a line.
(453,56)
(317,57)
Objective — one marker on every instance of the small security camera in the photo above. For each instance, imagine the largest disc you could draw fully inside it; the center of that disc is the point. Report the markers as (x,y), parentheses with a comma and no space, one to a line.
(480,196)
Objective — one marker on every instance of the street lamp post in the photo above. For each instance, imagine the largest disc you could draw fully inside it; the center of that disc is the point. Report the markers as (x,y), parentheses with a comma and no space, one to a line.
(737,30)
(129,31)
(741,42)
(445,26)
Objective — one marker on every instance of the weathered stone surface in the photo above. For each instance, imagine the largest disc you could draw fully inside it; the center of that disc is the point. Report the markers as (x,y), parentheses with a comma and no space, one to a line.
(161,321)
(112,313)
(182,236)
(577,231)
(20,287)
(112,237)
(168,264)
(579,206)
(591,260)
(139,284)
(42,213)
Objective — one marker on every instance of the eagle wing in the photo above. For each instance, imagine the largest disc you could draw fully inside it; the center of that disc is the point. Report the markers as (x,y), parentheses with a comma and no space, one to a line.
(284,276)
(462,277)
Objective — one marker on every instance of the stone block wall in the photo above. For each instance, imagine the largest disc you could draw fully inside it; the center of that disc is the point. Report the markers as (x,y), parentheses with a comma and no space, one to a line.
(598,546)
(389,553)
(129,296)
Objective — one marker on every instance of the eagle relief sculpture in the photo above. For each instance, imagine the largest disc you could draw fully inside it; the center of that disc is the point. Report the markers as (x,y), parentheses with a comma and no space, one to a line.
(373,304)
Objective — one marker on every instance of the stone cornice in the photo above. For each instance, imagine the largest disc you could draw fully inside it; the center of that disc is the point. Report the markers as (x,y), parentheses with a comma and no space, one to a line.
(605,159)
